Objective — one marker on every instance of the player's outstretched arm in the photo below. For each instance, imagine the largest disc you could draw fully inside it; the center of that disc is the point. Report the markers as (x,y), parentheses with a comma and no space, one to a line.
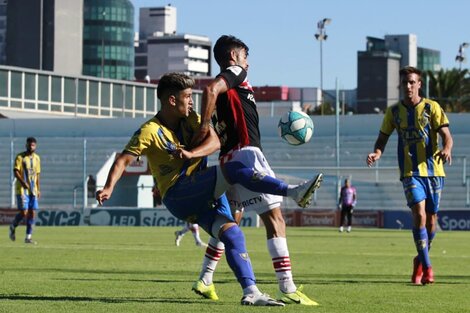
(114,175)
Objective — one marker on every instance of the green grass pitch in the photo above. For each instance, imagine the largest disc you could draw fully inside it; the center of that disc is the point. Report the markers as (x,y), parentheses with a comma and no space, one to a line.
(139,269)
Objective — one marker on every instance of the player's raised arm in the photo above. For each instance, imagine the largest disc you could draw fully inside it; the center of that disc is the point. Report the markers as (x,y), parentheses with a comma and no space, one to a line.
(115,173)
(209,99)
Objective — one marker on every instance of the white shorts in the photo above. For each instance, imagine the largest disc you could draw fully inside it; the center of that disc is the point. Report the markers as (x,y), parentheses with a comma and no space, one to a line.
(241,198)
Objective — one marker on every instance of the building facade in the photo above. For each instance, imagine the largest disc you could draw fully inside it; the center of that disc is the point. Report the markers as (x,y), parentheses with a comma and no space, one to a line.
(378,81)
(45,35)
(108,39)
(160,49)
(3,30)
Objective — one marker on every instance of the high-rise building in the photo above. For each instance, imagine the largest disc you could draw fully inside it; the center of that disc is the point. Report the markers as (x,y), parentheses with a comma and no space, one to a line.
(157,20)
(160,49)
(378,69)
(429,59)
(71,37)
(3,30)
(377,77)
(108,39)
(45,35)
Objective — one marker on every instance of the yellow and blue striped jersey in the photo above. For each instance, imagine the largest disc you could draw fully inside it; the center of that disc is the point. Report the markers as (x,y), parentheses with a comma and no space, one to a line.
(417,128)
(29,167)
(157,142)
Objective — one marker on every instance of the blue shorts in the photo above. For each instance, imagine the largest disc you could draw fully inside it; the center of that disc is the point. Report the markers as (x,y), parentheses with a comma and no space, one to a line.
(418,189)
(192,199)
(27,202)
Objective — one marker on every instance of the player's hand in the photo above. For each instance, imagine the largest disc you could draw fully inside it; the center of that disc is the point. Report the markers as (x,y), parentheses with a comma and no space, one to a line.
(182,154)
(103,195)
(445,156)
(371,158)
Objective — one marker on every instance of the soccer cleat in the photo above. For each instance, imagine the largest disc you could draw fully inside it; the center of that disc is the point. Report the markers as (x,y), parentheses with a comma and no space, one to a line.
(260,300)
(341,229)
(304,191)
(207,292)
(417,272)
(178,238)
(201,244)
(11,233)
(297,297)
(428,276)
(30,241)
(349,229)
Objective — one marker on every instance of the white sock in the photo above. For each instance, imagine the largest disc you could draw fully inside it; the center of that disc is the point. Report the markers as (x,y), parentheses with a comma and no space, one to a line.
(214,251)
(251,290)
(281,262)
(195,231)
(291,191)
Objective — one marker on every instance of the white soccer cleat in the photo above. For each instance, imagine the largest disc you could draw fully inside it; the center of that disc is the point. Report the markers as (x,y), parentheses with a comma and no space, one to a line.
(260,300)
(304,191)
(201,244)
(178,238)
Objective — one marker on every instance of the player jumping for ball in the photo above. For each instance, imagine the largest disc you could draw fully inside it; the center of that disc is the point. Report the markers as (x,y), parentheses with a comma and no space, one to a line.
(229,100)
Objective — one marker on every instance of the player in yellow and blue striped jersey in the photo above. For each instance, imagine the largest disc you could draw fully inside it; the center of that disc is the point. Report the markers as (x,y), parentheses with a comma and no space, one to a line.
(27,169)
(418,121)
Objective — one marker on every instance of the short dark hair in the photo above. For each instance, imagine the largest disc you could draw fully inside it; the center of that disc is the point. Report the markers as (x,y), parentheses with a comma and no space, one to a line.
(410,70)
(172,83)
(30,140)
(224,45)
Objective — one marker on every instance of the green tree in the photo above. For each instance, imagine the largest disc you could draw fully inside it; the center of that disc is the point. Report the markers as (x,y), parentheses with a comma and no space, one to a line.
(450,88)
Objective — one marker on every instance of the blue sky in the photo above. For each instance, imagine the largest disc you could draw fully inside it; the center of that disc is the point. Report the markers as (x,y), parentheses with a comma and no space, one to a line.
(280,34)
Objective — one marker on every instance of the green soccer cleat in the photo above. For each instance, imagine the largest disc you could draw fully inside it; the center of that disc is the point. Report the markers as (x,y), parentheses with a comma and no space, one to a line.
(207,292)
(297,297)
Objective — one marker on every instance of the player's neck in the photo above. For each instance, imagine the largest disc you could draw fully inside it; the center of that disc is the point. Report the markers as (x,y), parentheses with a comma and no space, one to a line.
(412,102)
(167,121)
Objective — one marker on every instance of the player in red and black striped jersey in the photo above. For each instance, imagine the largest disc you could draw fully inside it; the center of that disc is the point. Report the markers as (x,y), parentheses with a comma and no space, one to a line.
(228,102)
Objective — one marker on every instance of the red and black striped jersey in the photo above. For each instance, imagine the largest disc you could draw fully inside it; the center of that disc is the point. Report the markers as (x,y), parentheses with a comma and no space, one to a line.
(236,119)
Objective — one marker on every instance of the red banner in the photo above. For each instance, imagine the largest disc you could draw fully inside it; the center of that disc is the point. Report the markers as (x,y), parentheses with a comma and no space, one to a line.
(7,216)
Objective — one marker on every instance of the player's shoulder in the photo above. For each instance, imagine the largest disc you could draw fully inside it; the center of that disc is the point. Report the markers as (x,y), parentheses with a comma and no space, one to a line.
(430,101)
(233,73)
(21,155)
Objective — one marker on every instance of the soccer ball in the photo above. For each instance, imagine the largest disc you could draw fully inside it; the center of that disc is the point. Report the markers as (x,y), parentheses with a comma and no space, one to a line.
(295,127)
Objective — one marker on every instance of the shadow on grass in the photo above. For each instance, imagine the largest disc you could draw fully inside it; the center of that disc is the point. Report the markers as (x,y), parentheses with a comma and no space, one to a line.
(22,297)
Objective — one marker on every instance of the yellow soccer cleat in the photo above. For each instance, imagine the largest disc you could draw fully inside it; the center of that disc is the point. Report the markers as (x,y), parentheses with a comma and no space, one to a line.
(297,297)
(207,292)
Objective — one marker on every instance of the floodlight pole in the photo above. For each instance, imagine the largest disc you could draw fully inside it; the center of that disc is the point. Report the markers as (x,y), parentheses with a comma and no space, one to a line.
(320,36)
(461,55)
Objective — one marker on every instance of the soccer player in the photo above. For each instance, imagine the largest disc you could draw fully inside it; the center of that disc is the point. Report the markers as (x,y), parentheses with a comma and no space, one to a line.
(27,169)
(418,121)
(189,190)
(194,228)
(229,100)
(347,202)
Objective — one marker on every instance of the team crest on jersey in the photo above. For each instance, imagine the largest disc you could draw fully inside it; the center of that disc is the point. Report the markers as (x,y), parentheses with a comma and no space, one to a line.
(169,146)
(421,244)
(244,256)
(258,176)
(424,119)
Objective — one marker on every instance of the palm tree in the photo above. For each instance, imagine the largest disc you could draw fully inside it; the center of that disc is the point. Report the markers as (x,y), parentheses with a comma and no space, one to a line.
(449,88)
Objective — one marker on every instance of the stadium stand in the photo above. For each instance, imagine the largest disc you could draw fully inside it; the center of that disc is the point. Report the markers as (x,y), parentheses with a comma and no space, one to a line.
(64,145)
